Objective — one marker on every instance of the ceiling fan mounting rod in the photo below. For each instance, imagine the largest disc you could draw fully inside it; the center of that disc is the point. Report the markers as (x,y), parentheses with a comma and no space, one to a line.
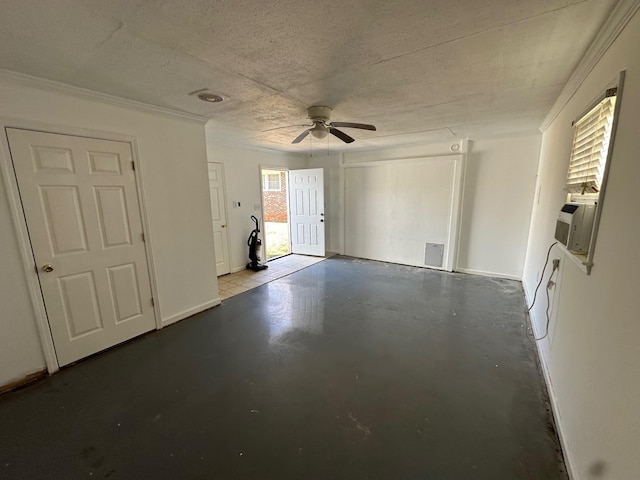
(319,113)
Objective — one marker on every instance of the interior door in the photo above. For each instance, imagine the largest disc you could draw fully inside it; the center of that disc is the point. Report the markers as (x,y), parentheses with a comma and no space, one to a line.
(306,202)
(81,207)
(219,216)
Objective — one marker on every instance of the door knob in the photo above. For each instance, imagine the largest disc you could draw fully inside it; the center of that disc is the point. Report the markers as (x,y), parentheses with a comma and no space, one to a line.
(223,226)
(47,268)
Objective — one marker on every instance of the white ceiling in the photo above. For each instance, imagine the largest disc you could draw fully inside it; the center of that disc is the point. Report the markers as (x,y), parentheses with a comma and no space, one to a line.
(420,70)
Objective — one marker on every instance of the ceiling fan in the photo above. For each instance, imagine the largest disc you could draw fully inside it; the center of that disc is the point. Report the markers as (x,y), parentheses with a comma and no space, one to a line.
(322,127)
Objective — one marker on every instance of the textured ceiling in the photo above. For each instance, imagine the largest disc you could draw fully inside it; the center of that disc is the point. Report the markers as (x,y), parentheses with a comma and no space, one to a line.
(420,70)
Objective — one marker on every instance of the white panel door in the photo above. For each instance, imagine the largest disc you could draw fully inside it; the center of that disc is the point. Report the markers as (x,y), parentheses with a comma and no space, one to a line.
(219,216)
(306,202)
(80,202)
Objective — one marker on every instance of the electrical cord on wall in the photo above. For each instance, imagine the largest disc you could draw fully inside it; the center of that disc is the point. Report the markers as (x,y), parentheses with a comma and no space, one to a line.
(546,328)
(531,334)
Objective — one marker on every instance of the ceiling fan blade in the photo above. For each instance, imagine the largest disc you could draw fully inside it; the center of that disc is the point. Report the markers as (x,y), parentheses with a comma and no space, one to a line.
(284,126)
(301,137)
(363,126)
(341,135)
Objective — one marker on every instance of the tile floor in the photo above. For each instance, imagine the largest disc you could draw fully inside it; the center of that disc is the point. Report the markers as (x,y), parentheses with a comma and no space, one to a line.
(239,282)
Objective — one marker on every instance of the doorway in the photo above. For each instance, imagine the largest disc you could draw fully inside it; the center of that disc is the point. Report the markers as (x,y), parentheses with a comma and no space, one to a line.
(275,211)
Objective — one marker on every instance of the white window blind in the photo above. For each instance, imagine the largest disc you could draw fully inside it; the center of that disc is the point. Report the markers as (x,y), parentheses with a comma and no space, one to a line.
(590,147)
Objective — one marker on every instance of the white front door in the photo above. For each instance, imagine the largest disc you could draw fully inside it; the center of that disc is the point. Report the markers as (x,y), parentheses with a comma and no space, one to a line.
(219,216)
(81,207)
(306,202)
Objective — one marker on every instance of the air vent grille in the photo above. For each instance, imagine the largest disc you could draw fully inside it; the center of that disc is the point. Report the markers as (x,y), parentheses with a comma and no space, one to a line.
(433,254)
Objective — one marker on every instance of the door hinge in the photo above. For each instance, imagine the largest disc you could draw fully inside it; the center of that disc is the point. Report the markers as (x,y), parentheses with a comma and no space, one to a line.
(153,303)
(133,165)
(142,235)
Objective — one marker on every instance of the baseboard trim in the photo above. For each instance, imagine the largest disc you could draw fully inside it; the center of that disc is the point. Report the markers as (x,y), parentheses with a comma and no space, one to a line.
(24,381)
(488,274)
(553,399)
(190,311)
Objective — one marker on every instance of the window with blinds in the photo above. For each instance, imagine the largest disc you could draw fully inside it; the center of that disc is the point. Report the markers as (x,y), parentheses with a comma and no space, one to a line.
(590,147)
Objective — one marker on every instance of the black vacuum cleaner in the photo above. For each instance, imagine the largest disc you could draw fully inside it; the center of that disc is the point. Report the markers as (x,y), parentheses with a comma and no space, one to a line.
(255,244)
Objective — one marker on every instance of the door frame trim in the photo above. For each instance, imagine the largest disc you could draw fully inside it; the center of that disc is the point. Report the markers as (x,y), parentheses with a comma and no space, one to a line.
(20,223)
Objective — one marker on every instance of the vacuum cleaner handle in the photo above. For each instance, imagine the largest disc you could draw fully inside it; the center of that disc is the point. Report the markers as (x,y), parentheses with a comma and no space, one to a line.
(255,220)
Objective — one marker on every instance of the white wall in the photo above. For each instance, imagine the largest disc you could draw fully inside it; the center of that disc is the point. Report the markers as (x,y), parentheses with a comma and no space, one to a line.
(392,209)
(496,212)
(423,153)
(172,162)
(592,354)
(242,179)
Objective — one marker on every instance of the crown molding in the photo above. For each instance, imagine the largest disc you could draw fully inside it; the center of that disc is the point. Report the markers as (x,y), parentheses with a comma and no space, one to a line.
(58,87)
(620,16)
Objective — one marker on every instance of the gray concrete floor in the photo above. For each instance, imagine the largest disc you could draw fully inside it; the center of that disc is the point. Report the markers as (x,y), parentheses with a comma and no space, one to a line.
(348,369)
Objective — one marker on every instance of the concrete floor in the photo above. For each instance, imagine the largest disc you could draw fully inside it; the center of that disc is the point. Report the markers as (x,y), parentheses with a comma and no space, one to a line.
(348,369)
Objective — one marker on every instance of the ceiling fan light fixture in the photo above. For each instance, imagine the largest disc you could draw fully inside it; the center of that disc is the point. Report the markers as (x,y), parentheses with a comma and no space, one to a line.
(322,127)
(319,131)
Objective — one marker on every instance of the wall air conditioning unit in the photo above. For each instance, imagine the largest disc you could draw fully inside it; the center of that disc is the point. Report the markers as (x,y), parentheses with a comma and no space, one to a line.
(574,226)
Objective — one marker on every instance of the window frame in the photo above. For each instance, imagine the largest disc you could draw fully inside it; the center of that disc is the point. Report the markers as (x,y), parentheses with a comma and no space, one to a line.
(266,183)
(585,261)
